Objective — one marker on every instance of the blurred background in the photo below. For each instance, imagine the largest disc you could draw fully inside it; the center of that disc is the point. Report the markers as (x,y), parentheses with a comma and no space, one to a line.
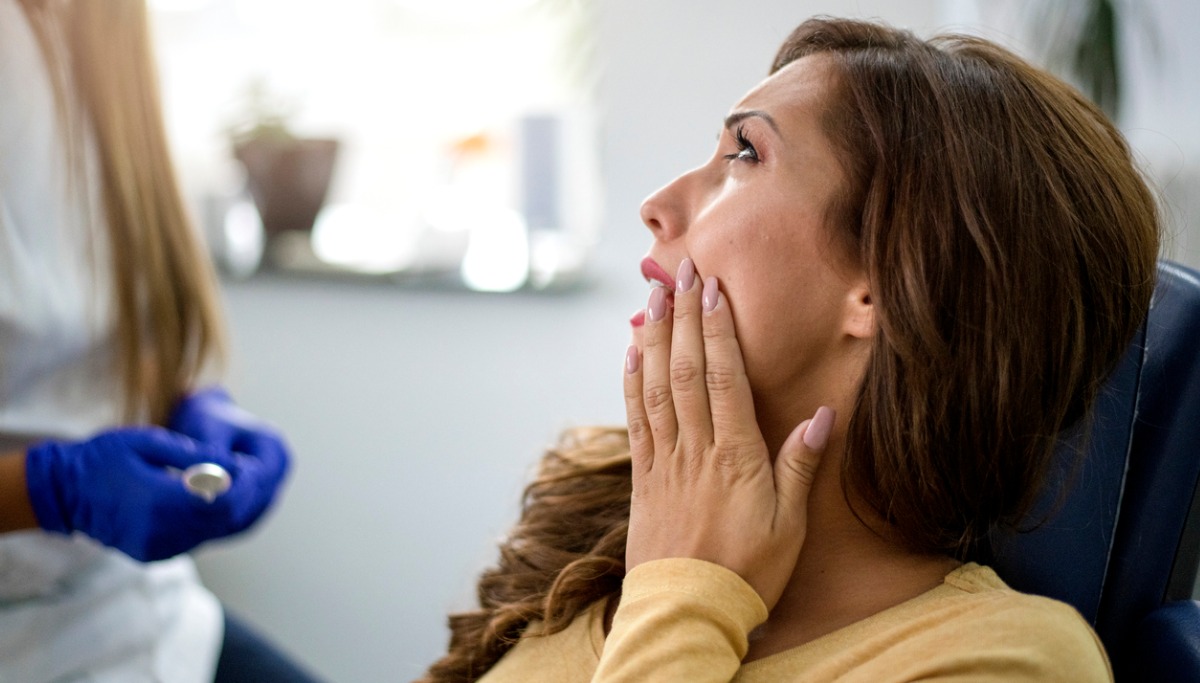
(448,280)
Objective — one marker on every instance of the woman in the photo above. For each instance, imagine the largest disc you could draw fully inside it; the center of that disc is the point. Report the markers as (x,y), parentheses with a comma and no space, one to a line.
(908,266)
(108,316)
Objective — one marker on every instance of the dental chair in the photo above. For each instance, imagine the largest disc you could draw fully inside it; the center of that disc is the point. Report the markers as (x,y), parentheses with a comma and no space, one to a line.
(1117,535)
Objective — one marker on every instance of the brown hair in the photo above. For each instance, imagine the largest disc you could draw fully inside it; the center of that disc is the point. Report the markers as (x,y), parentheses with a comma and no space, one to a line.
(566,552)
(1011,247)
(168,317)
(1010,244)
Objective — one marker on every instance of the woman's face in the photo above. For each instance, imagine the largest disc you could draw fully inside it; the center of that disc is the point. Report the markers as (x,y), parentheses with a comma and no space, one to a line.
(754,216)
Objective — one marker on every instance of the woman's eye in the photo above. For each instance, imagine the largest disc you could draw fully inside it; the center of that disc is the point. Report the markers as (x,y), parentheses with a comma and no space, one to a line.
(746,151)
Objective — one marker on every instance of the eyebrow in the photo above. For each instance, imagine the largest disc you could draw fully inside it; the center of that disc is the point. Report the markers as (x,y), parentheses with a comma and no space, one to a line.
(738,116)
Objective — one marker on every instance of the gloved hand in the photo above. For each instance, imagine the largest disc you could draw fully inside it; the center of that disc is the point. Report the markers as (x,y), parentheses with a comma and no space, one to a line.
(117,488)
(211,417)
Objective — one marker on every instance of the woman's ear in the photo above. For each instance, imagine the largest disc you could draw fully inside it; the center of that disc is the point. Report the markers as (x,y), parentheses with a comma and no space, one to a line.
(859,321)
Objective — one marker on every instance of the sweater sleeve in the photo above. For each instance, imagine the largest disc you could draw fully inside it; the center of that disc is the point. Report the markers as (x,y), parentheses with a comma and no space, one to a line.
(680,620)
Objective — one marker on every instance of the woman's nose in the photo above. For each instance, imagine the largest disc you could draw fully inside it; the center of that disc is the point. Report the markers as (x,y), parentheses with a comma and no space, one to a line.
(665,211)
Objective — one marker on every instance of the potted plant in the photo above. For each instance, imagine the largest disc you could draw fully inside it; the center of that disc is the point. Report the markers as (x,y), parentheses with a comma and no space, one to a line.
(287,176)
(1083,41)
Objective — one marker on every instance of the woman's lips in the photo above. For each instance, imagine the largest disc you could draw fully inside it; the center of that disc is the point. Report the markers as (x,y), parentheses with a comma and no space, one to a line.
(653,272)
(657,276)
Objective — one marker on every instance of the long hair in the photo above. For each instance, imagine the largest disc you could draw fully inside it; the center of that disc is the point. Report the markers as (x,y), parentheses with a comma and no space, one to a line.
(566,552)
(1010,246)
(168,318)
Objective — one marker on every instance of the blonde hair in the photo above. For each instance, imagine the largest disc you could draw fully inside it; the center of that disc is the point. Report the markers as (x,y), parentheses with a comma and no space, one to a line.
(169,324)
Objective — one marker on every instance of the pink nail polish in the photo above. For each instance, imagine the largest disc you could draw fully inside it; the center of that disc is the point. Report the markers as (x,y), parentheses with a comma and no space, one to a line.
(709,298)
(632,359)
(686,277)
(816,436)
(658,304)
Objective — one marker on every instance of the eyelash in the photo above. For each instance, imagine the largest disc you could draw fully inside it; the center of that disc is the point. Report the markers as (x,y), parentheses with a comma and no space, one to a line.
(746,150)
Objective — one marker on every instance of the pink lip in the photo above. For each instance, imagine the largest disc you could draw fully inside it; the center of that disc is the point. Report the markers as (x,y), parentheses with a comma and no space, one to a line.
(652,271)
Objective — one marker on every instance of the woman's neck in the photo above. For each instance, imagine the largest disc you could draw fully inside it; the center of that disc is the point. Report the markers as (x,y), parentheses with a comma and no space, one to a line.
(846,571)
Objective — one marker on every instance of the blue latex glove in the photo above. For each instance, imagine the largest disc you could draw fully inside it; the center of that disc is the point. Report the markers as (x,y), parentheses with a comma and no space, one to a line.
(211,417)
(117,488)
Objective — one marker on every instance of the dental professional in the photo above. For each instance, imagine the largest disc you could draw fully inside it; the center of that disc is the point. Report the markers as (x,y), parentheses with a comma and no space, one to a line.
(110,339)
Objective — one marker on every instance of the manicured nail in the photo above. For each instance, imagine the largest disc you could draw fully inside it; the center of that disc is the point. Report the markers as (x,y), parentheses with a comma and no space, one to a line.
(632,359)
(817,435)
(686,277)
(709,298)
(658,304)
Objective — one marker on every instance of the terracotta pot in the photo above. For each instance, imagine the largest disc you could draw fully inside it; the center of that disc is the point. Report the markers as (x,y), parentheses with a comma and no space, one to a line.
(288,179)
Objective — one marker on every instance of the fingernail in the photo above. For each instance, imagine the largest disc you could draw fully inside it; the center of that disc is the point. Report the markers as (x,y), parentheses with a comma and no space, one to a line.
(658,304)
(816,437)
(686,277)
(709,298)
(632,359)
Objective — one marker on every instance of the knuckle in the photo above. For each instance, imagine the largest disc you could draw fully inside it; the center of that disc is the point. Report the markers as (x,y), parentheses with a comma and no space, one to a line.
(639,429)
(714,331)
(654,342)
(728,458)
(657,397)
(720,378)
(684,371)
(691,467)
(633,392)
(804,471)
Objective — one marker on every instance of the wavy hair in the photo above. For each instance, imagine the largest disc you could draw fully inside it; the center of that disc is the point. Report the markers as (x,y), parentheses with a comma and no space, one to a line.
(1010,245)
(566,551)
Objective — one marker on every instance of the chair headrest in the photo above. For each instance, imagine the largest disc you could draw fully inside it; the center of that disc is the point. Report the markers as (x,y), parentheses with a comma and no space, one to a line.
(1119,536)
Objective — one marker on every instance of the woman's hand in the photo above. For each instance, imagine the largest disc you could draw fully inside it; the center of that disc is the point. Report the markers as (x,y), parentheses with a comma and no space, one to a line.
(704,484)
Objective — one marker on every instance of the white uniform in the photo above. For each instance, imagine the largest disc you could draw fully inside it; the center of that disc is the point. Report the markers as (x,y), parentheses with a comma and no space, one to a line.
(70,609)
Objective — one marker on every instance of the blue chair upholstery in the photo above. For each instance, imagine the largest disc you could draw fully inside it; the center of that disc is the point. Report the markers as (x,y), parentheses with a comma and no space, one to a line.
(1117,534)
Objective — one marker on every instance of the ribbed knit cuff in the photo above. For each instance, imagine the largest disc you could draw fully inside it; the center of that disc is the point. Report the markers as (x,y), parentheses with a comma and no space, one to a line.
(711,584)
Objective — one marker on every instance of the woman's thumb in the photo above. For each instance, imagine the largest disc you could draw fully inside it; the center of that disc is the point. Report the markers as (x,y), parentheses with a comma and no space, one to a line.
(796,464)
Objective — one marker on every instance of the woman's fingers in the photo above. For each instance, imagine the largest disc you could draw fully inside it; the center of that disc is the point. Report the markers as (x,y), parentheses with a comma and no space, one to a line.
(688,365)
(729,397)
(656,371)
(797,462)
(641,441)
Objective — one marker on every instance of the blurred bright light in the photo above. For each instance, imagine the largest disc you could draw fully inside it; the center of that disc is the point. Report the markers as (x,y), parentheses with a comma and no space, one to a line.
(553,257)
(357,238)
(178,5)
(497,258)
(243,233)
(465,10)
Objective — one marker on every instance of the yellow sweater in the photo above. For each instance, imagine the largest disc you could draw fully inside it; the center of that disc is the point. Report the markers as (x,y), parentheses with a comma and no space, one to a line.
(684,620)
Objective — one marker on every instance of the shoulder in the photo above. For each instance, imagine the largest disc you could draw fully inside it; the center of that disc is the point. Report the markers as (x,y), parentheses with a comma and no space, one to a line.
(985,627)
(972,628)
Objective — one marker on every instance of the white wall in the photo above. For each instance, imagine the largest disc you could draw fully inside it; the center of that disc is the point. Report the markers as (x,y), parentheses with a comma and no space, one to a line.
(416,416)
